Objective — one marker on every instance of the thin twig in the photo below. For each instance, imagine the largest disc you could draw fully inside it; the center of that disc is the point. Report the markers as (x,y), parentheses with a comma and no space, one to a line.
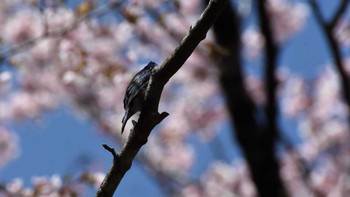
(110,149)
(328,29)
(341,9)
(150,116)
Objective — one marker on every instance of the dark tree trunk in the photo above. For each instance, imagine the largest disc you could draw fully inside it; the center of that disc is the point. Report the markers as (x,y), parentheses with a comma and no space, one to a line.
(255,138)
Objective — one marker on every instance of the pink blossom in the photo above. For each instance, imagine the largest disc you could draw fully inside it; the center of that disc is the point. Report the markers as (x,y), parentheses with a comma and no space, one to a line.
(23,106)
(174,130)
(326,177)
(5,81)
(98,178)
(154,4)
(287,18)
(6,5)
(342,33)
(108,97)
(102,53)
(15,186)
(9,149)
(191,191)
(58,19)
(53,186)
(255,88)
(293,174)
(190,9)
(32,2)
(294,96)
(253,42)
(176,24)
(42,186)
(84,32)
(156,36)
(44,52)
(54,181)
(23,26)
(174,158)
(122,33)
(223,179)
(327,91)
(69,55)
(93,178)
(73,81)
(178,158)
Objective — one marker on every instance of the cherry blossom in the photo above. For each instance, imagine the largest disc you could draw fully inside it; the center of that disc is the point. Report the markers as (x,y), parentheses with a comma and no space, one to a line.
(253,42)
(287,17)
(342,33)
(8,146)
(22,26)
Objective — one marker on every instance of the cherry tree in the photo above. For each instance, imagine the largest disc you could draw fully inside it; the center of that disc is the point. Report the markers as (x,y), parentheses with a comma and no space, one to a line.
(57,55)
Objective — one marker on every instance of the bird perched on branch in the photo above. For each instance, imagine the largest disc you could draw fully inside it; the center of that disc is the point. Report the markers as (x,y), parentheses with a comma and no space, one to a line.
(135,92)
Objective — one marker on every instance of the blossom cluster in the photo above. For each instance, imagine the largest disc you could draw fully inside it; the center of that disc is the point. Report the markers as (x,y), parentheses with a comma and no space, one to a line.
(52,186)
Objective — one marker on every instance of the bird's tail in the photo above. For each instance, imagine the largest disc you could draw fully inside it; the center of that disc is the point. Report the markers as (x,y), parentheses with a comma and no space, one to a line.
(125,119)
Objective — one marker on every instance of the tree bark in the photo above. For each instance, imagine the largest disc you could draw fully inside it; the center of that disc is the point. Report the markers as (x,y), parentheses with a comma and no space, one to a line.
(254,137)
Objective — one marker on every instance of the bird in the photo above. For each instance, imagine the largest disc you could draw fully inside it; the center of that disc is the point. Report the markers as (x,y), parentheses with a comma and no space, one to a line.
(135,92)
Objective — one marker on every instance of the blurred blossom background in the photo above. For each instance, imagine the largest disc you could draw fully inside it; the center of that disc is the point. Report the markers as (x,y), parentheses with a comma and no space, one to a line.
(65,65)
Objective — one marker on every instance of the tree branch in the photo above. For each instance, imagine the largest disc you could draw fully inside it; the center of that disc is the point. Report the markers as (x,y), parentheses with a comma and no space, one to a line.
(271,54)
(328,29)
(341,9)
(256,141)
(150,116)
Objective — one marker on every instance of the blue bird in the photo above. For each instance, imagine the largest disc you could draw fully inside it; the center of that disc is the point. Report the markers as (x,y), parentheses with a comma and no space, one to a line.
(135,92)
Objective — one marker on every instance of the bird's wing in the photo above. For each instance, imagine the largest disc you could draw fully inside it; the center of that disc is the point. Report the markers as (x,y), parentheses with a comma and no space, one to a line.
(138,84)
